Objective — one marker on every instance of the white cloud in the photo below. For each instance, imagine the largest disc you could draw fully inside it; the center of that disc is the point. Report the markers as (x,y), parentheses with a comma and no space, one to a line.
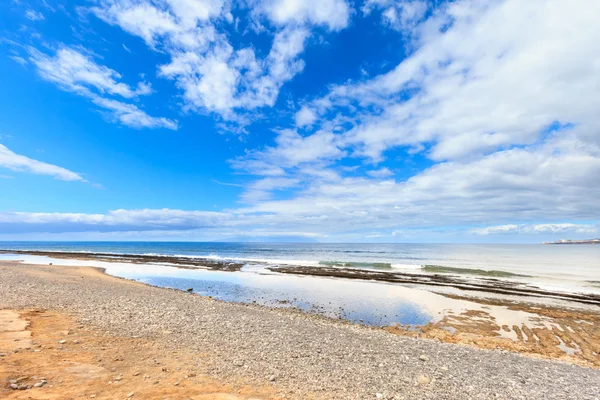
(215,76)
(380,173)
(291,151)
(398,14)
(34,15)
(500,96)
(76,72)
(19,60)
(334,14)
(483,84)
(20,163)
(537,229)
(130,115)
(305,117)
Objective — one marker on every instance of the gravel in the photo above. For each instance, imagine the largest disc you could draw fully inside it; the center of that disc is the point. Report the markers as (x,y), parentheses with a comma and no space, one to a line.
(301,355)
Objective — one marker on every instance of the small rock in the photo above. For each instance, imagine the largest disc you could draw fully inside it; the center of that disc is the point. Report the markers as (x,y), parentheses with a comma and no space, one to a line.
(62,341)
(176,384)
(444,368)
(423,357)
(423,380)
(136,373)
(38,385)
(190,290)
(13,381)
(272,378)
(238,363)
(92,396)
(14,386)
(379,395)
(117,378)
(2,354)
(22,387)
(75,341)
(130,394)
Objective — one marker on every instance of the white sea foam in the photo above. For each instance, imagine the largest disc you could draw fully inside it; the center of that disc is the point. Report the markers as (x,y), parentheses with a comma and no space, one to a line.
(407,266)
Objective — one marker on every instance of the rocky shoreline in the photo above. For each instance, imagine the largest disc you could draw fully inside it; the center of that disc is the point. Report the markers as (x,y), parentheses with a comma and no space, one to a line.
(489,285)
(298,355)
(481,284)
(177,261)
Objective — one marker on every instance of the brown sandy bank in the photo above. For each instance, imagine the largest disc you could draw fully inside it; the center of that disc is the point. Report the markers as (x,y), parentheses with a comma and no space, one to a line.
(69,360)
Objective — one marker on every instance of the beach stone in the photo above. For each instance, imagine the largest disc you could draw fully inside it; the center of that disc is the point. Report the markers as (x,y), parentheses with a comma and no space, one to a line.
(423,380)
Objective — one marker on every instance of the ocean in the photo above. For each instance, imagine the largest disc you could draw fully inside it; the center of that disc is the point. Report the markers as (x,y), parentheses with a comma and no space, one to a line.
(567,268)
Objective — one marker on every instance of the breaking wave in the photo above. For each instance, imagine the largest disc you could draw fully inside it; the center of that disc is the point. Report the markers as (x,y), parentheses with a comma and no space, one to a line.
(439,269)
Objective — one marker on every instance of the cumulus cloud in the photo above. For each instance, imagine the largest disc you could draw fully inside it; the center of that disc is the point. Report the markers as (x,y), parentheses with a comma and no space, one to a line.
(499,97)
(507,120)
(305,117)
(77,72)
(334,14)
(214,76)
(480,81)
(20,163)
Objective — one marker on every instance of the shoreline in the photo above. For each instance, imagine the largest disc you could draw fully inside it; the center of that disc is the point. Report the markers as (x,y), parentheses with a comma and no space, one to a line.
(474,326)
(252,344)
(483,284)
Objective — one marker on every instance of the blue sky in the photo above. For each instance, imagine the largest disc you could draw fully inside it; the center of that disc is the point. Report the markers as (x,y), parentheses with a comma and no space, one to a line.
(319,120)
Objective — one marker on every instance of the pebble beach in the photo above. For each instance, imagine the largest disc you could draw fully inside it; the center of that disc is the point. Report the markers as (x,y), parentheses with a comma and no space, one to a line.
(296,355)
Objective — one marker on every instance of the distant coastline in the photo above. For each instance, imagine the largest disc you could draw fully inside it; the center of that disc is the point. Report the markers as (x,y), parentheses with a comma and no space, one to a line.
(568,241)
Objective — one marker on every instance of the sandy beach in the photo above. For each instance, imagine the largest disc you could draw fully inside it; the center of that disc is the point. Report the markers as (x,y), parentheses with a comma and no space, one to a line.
(83,334)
